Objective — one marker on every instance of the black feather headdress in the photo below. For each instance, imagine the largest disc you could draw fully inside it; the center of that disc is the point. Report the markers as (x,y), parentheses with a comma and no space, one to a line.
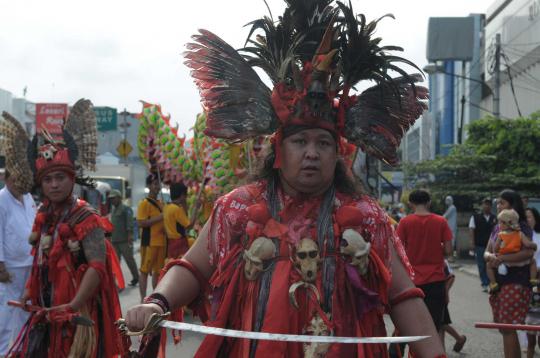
(29,160)
(314,54)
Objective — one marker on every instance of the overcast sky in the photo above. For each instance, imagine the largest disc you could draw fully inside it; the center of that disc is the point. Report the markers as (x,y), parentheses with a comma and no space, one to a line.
(119,52)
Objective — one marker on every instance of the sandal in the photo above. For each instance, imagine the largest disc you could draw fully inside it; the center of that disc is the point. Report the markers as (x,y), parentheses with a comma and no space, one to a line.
(459,344)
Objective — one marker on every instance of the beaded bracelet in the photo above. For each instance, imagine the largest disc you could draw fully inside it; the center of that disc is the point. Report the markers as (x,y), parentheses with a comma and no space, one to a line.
(158,299)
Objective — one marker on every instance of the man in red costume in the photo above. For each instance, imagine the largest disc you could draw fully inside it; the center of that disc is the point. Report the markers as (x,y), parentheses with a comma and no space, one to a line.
(301,250)
(71,273)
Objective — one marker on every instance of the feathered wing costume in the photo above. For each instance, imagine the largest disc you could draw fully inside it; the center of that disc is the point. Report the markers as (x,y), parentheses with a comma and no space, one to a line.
(59,264)
(314,55)
(15,144)
(239,106)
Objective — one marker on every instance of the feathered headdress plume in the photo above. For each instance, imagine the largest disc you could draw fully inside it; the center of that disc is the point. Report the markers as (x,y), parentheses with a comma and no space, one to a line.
(29,160)
(314,54)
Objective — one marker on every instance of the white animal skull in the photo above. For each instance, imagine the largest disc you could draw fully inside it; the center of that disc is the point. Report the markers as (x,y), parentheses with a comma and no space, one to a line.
(357,248)
(48,152)
(316,327)
(261,249)
(307,259)
(73,246)
(45,243)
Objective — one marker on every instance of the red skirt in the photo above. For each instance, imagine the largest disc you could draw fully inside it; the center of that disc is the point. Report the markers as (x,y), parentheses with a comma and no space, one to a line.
(510,304)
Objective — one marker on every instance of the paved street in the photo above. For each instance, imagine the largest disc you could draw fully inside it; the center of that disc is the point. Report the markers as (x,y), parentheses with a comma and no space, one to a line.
(130,297)
(468,304)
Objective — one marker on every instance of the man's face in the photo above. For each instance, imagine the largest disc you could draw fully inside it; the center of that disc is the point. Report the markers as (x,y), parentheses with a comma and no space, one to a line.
(115,200)
(57,186)
(10,184)
(486,208)
(153,188)
(309,160)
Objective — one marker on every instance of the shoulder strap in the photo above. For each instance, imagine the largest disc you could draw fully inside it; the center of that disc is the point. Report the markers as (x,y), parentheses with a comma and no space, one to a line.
(80,213)
(154,203)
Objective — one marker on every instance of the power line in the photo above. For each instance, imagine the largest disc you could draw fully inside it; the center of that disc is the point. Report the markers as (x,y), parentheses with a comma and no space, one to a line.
(528,89)
(522,44)
(484,109)
(505,57)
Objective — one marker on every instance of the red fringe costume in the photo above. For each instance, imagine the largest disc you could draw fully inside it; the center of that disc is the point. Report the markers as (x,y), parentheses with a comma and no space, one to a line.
(358,303)
(56,276)
(59,261)
(292,271)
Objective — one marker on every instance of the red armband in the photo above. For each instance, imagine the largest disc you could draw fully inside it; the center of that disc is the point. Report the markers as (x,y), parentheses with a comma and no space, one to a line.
(100,269)
(203,282)
(406,295)
(199,304)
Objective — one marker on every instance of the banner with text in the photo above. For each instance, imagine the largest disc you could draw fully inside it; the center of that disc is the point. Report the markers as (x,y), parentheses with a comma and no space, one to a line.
(51,116)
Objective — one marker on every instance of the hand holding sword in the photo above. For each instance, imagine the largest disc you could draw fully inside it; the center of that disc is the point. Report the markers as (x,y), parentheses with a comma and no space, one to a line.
(157,320)
(61,313)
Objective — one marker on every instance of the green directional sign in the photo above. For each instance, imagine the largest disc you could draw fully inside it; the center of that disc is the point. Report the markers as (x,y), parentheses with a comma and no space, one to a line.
(107,118)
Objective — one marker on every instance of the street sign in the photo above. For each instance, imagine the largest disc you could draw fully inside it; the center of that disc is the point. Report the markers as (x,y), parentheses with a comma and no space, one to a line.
(124,148)
(107,118)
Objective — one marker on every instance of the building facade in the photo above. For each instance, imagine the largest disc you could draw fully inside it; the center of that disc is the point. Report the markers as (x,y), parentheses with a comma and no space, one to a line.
(20,108)
(456,92)
(518,24)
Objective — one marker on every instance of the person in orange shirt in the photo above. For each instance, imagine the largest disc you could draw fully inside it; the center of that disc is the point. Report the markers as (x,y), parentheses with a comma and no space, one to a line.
(176,222)
(153,243)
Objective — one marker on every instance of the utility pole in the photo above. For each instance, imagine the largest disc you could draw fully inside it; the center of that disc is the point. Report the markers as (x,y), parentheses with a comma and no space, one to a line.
(124,127)
(496,90)
(463,100)
(460,128)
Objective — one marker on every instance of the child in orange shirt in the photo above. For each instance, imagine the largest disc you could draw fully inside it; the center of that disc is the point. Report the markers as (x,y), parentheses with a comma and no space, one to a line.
(509,240)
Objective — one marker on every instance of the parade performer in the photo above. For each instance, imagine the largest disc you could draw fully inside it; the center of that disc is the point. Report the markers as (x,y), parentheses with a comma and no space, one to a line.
(71,280)
(301,250)
(176,221)
(153,239)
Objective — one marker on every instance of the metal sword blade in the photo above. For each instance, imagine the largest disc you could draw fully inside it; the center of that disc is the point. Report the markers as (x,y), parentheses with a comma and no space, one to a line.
(182,326)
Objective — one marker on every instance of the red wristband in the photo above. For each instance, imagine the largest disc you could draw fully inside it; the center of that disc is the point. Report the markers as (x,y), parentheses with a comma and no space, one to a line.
(406,295)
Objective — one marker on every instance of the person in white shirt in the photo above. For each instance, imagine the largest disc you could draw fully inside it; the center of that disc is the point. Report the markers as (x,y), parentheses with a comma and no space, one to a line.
(17,213)
(451,217)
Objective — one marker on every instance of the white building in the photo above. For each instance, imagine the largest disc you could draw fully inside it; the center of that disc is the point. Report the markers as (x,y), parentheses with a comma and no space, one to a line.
(518,23)
(20,108)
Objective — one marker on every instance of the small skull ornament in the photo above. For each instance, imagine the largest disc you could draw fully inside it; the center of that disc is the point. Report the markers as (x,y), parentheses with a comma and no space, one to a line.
(317,100)
(47,152)
(33,238)
(317,327)
(307,259)
(261,249)
(354,245)
(45,243)
(73,246)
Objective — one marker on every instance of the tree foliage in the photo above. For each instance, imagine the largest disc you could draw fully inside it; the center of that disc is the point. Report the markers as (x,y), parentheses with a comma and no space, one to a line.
(497,154)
